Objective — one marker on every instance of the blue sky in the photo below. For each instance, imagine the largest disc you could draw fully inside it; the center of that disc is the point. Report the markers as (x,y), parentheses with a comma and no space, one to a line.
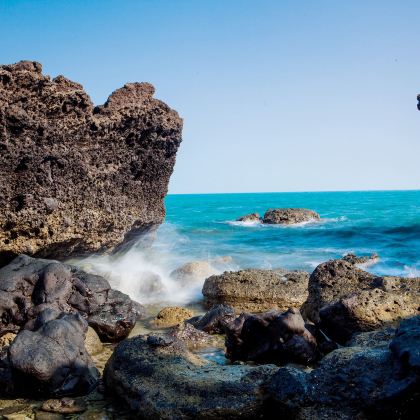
(275,95)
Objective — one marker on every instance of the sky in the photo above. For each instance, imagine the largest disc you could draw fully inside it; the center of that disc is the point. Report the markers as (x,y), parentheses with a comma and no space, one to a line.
(275,95)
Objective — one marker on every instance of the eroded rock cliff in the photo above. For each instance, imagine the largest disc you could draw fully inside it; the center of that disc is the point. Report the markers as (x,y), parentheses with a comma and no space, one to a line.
(75,178)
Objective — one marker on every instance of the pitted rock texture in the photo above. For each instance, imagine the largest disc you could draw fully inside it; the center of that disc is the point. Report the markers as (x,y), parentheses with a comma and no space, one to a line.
(28,286)
(289,216)
(75,178)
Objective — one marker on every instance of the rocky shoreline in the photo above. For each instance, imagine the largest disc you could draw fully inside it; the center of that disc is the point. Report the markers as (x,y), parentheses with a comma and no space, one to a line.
(339,343)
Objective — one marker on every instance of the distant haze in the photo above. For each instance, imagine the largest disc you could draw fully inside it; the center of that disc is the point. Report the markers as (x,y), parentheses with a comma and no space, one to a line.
(275,95)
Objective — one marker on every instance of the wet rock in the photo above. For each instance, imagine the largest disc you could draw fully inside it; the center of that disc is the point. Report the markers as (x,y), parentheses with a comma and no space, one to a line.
(97,176)
(355,382)
(289,216)
(250,218)
(271,337)
(150,284)
(215,320)
(381,337)
(28,286)
(193,272)
(64,406)
(143,377)
(52,359)
(172,315)
(191,336)
(257,290)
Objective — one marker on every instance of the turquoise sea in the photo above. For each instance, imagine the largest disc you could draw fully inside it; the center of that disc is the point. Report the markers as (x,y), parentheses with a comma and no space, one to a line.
(203,227)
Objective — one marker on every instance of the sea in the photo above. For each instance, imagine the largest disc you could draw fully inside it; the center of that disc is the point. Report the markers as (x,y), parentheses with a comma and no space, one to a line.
(203,227)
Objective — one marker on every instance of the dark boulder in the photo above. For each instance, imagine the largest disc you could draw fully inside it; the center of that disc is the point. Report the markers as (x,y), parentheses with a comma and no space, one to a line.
(271,337)
(51,360)
(160,379)
(28,286)
(289,216)
(76,178)
(215,320)
(354,382)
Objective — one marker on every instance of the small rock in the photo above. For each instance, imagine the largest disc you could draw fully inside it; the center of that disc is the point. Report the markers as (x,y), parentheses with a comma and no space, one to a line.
(172,315)
(193,272)
(215,320)
(6,339)
(93,343)
(250,218)
(64,406)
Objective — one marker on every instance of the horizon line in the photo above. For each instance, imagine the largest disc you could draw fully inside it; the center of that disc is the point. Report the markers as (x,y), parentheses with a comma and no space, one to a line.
(298,192)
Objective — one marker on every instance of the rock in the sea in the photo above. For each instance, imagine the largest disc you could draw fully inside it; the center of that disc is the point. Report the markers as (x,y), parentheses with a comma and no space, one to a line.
(215,320)
(193,272)
(172,315)
(354,382)
(257,290)
(270,337)
(77,178)
(28,286)
(364,260)
(289,216)
(344,299)
(52,359)
(160,379)
(250,218)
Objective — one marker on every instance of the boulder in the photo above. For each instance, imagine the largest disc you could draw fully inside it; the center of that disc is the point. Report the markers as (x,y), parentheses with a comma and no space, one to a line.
(250,218)
(172,315)
(142,373)
(193,272)
(257,290)
(76,178)
(192,337)
(289,216)
(93,343)
(28,286)
(354,382)
(344,299)
(270,337)
(215,320)
(52,359)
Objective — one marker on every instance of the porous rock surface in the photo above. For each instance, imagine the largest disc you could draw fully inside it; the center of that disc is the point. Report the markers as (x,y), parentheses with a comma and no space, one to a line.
(29,285)
(355,382)
(255,290)
(249,218)
(289,216)
(49,360)
(75,178)
(160,379)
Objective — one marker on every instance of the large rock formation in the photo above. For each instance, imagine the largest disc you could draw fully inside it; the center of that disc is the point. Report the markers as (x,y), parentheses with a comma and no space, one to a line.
(289,216)
(257,290)
(75,178)
(28,286)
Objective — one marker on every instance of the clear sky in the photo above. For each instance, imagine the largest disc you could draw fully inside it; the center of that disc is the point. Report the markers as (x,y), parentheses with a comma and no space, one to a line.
(275,95)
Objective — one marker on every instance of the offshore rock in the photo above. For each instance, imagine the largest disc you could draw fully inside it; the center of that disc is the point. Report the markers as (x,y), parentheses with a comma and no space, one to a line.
(250,218)
(364,260)
(289,216)
(354,382)
(142,372)
(257,290)
(75,178)
(28,286)
(52,359)
(271,337)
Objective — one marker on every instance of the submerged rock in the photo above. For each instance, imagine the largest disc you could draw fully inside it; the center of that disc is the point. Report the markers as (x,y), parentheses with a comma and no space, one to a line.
(161,379)
(77,178)
(354,382)
(51,359)
(28,286)
(252,217)
(257,290)
(344,299)
(289,216)
(270,337)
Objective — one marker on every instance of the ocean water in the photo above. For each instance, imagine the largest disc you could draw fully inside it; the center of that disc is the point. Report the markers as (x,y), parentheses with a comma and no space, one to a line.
(202,227)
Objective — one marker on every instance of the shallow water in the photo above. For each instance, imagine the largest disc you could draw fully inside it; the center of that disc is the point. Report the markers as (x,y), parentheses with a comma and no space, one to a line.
(203,227)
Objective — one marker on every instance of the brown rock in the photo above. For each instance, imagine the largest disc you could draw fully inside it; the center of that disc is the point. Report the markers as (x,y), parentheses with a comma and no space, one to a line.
(76,178)
(289,216)
(257,290)
(64,406)
(252,217)
(6,339)
(172,315)
(93,343)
